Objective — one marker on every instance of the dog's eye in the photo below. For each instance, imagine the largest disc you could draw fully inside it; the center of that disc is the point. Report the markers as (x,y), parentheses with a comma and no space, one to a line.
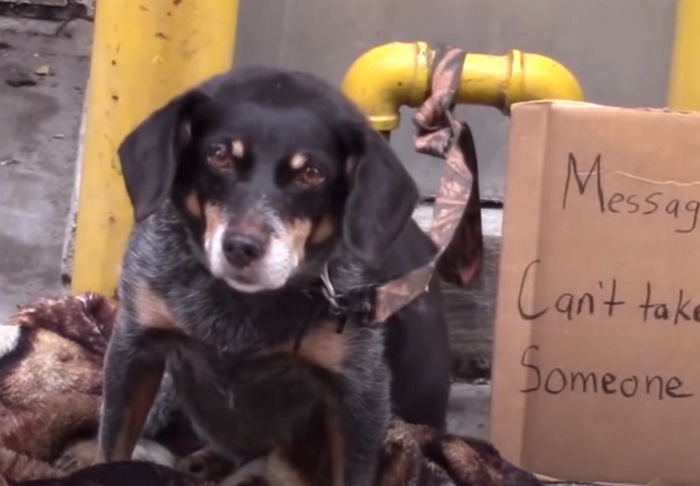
(311,176)
(220,157)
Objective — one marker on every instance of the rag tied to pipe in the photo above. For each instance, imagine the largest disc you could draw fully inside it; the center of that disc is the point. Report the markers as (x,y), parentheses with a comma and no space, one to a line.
(456,222)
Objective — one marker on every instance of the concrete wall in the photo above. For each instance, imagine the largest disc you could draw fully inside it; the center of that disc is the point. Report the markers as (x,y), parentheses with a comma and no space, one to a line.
(618,49)
(39,126)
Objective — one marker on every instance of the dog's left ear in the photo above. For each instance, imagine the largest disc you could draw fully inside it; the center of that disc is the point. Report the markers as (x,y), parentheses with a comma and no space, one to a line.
(382,198)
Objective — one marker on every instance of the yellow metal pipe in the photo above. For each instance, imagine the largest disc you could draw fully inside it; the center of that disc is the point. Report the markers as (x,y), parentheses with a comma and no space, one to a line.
(143,53)
(395,74)
(684,83)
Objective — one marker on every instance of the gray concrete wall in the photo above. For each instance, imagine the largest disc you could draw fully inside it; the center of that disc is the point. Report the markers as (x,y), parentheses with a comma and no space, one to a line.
(618,49)
(39,122)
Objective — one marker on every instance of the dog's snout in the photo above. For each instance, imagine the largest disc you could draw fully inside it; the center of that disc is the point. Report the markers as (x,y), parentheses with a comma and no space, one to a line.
(241,249)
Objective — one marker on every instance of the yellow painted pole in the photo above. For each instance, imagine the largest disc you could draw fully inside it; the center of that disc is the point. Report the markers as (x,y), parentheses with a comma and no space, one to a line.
(144,52)
(684,83)
(395,74)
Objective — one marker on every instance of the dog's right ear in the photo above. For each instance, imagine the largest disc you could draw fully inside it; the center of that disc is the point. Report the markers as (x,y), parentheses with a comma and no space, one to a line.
(151,153)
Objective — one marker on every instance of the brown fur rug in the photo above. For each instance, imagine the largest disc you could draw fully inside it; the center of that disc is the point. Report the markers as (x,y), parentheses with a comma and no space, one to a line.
(50,382)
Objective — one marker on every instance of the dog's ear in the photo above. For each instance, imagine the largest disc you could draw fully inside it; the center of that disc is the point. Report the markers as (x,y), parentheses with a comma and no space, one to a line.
(382,198)
(150,154)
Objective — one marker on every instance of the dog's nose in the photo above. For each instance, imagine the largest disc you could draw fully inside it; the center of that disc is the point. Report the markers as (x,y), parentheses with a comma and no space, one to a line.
(241,249)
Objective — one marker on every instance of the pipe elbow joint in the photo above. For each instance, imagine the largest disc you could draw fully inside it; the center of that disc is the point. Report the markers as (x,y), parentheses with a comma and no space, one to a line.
(537,77)
(386,77)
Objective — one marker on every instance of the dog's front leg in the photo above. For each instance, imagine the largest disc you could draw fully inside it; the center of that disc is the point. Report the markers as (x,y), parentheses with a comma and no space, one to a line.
(357,431)
(132,375)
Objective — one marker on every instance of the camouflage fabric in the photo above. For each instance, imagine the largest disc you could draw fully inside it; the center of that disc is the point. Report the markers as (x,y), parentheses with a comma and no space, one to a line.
(456,225)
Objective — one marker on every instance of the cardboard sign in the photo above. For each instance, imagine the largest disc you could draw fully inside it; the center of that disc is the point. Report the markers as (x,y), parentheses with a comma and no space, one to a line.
(597,343)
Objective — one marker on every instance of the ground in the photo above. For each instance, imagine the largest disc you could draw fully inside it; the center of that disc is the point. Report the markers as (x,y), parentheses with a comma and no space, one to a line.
(39,125)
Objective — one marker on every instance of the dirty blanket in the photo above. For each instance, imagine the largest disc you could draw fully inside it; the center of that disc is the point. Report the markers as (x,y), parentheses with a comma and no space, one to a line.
(50,383)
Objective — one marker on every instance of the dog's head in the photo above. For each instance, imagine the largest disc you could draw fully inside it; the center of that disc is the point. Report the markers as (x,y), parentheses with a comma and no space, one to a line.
(270,169)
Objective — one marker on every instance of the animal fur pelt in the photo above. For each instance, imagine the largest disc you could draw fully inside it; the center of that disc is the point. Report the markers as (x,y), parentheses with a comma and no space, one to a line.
(50,383)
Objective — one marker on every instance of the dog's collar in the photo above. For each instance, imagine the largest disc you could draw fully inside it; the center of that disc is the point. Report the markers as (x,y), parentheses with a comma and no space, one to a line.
(357,303)
(327,288)
(331,296)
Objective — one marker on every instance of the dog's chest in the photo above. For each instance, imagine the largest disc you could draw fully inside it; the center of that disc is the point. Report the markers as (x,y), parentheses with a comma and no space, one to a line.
(245,405)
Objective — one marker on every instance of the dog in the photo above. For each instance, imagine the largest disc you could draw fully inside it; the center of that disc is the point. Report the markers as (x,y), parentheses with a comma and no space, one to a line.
(252,193)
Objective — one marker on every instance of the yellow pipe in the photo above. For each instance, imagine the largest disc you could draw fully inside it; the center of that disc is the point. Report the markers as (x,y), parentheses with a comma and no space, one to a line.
(684,83)
(143,54)
(395,74)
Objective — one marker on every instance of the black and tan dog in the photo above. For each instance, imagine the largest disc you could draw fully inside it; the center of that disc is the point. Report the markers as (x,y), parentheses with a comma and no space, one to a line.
(246,191)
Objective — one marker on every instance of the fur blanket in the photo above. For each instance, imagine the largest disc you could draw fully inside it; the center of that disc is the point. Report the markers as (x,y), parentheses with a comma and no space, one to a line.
(50,382)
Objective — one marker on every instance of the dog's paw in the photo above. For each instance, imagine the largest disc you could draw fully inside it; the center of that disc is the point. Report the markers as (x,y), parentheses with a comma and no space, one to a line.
(147,450)
(271,470)
(206,465)
(83,453)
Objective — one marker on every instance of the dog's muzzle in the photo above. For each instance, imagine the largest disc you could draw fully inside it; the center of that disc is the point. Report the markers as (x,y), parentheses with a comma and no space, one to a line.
(252,258)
